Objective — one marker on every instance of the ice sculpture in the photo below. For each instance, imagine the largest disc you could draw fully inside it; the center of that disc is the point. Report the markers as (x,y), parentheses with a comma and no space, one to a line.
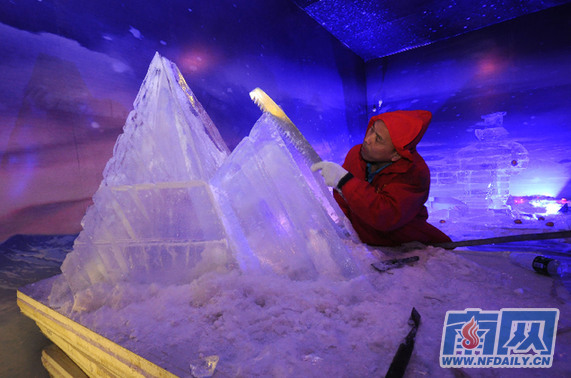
(173,205)
(267,188)
(168,136)
(154,217)
(485,167)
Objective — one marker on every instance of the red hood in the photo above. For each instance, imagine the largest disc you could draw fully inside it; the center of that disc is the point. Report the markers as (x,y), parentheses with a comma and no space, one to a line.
(406,128)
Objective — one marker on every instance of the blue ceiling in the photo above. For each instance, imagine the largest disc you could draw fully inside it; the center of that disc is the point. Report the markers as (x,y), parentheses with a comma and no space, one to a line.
(373,29)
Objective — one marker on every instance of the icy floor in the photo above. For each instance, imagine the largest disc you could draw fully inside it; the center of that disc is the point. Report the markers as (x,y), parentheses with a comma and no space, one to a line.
(270,326)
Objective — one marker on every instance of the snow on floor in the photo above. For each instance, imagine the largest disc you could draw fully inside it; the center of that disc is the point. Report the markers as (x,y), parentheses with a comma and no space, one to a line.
(262,325)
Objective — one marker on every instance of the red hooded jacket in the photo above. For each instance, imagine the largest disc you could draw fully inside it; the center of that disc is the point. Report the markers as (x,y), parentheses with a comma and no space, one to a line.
(390,210)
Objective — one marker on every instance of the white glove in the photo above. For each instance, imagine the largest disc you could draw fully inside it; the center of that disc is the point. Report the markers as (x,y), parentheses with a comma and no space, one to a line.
(330,171)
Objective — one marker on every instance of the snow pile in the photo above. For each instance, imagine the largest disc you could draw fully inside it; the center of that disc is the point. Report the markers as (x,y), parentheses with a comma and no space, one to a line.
(269,325)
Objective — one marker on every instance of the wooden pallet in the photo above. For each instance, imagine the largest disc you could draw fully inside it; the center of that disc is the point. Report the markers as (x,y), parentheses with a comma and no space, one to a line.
(91,353)
(58,364)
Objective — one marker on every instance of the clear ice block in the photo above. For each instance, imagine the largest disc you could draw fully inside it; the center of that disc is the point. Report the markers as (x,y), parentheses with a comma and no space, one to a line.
(288,229)
(168,136)
(154,217)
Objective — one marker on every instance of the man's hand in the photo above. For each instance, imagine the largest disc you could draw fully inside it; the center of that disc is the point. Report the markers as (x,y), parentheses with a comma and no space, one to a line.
(331,172)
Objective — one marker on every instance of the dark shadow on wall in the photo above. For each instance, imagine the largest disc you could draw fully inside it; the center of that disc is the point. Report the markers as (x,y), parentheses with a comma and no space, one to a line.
(354,92)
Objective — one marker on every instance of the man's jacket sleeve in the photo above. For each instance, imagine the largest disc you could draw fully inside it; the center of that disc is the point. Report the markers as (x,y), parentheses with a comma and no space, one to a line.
(342,204)
(385,208)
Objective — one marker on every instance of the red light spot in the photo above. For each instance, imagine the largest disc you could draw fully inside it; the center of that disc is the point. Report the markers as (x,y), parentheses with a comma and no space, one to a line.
(196,59)
(487,67)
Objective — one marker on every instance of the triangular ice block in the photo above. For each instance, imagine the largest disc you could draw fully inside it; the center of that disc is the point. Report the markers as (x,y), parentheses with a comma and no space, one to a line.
(154,217)
(168,136)
(279,209)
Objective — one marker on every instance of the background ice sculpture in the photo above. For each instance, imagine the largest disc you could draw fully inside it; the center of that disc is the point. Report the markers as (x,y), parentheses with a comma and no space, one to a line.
(485,167)
(156,217)
(476,178)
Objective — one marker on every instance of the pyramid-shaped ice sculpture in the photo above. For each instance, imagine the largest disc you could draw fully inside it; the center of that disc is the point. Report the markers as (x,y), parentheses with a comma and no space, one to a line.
(173,205)
(154,214)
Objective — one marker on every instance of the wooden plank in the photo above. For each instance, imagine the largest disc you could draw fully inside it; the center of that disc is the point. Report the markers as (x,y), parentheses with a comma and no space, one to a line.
(58,364)
(96,355)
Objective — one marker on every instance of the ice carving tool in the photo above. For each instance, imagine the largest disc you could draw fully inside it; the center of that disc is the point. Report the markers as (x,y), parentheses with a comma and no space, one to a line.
(383,266)
(289,130)
(402,356)
(505,239)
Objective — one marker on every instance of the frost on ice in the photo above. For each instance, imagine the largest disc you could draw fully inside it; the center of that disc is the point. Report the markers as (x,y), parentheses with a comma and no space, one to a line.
(173,204)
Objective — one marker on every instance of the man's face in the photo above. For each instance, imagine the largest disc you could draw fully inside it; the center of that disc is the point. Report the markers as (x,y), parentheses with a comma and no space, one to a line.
(378,146)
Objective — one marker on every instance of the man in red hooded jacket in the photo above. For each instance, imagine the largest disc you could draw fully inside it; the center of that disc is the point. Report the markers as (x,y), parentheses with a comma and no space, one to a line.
(384,182)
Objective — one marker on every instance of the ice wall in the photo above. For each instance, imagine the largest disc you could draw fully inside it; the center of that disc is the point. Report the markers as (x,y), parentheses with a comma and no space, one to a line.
(173,205)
